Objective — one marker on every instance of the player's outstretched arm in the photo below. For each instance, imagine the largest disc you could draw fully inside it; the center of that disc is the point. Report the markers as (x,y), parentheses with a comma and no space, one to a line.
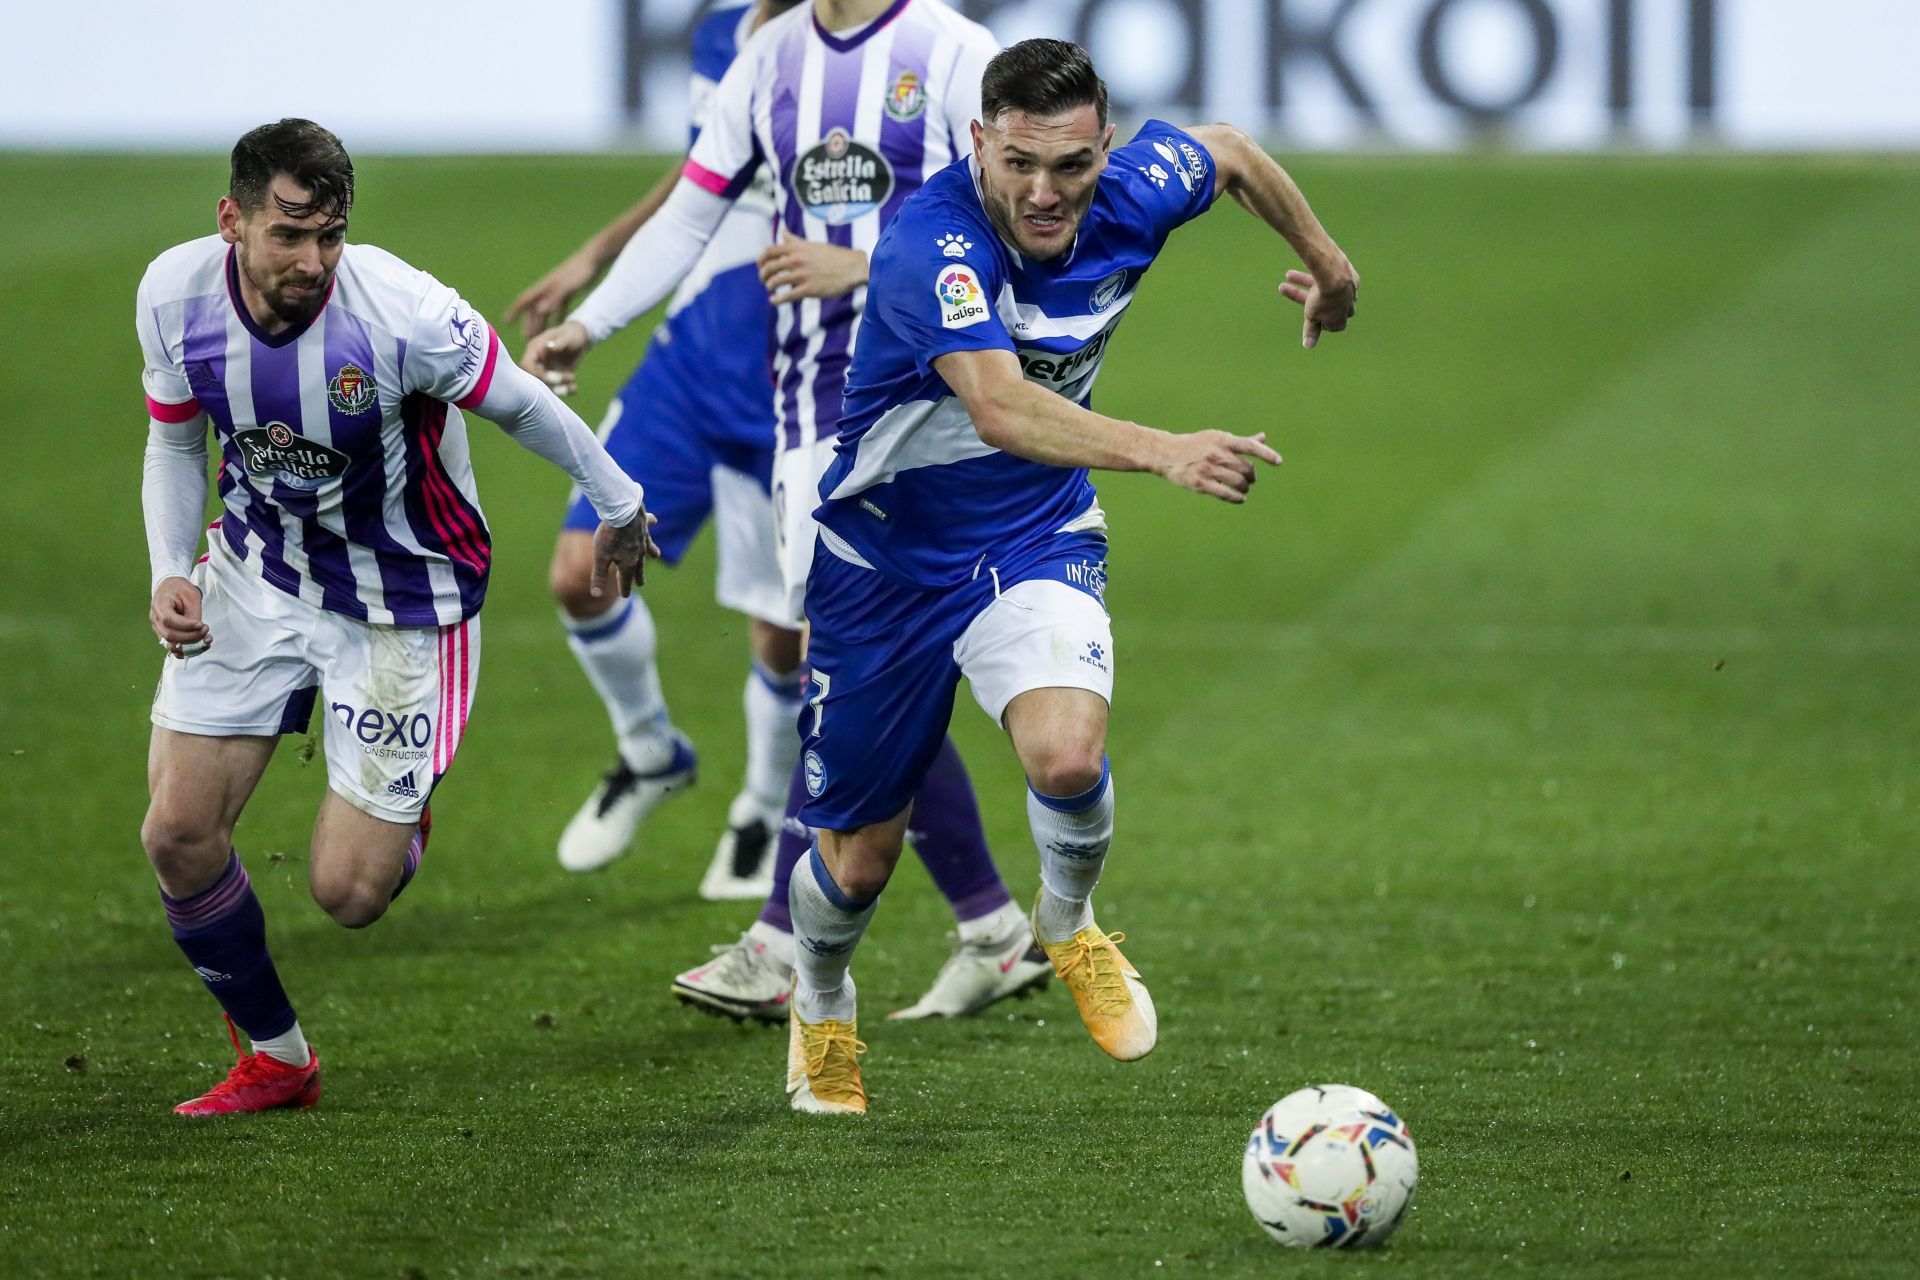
(542,304)
(658,257)
(173,497)
(526,410)
(1015,416)
(1255,179)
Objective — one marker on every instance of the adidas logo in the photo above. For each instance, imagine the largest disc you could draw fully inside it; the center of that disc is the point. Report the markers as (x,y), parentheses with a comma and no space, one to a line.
(404,787)
(211,975)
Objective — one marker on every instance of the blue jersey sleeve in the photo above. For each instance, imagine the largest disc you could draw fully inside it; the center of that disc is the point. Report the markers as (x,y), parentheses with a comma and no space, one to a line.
(1167,174)
(934,301)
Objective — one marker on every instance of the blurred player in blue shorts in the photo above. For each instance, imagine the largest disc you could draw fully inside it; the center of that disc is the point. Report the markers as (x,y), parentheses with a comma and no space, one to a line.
(845,108)
(695,425)
(960,535)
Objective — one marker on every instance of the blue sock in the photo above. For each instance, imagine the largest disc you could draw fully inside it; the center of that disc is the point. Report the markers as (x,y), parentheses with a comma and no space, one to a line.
(794,842)
(947,835)
(224,935)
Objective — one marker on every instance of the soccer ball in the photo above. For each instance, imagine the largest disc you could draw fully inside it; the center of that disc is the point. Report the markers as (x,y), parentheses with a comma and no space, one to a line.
(1329,1167)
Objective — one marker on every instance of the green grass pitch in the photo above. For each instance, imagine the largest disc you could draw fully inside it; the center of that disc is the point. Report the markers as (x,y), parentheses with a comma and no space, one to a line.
(1537,749)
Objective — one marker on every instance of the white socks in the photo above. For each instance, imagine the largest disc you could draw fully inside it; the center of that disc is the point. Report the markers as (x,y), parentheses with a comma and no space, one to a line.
(290,1047)
(998,923)
(1072,834)
(778,942)
(772,703)
(826,927)
(616,651)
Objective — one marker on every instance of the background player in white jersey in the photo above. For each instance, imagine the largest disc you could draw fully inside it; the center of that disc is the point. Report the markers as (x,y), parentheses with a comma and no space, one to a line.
(694,425)
(852,104)
(960,534)
(348,565)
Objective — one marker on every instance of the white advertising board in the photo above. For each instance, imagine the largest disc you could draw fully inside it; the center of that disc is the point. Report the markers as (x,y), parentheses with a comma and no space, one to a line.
(488,75)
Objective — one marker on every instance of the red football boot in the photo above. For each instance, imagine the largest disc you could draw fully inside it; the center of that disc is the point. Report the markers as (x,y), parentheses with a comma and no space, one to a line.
(258,1082)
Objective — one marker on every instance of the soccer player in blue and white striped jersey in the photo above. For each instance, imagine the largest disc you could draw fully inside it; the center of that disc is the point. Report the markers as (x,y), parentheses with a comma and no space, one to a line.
(348,564)
(960,534)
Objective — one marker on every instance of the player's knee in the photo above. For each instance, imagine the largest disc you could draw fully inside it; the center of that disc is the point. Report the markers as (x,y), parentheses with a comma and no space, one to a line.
(352,899)
(185,854)
(1067,768)
(777,648)
(572,589)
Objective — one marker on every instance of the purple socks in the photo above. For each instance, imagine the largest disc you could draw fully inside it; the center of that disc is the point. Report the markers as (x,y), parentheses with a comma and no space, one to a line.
(224,935)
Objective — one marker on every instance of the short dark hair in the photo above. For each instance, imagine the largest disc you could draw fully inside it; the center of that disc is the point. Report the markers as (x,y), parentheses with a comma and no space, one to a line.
(305,152)
(1041,78)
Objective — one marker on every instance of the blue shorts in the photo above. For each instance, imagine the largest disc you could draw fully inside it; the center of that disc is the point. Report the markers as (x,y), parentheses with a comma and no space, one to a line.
(659,432)
(887,658)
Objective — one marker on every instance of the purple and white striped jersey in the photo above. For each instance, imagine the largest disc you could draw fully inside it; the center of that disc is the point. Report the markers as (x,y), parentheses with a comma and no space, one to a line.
(344,471)
(851,124)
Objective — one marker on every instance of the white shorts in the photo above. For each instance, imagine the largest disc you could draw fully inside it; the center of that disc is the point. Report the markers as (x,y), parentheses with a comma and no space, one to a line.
(1037,634)
(796,495)
(748,576)
(395,699)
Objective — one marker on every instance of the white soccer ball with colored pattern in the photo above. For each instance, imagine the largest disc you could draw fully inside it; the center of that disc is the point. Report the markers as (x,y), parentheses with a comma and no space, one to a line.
(1331,1166)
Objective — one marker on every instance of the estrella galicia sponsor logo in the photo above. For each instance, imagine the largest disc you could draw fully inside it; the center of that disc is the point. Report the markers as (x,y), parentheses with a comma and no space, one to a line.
(1091,575)
(816,773)
(906,100)
(961,301)
(1108,291)
(1058,370)
(385,735)
(838,179)
(1095,656)
(352,391)
(404,786)
(276,450)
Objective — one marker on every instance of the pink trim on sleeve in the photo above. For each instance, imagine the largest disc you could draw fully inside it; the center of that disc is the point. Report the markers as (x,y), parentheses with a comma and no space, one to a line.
(172,413)
(705,178)
(485,380)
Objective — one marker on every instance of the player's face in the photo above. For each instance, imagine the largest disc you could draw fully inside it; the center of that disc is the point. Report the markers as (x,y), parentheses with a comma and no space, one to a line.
(287,261)
(1037,175)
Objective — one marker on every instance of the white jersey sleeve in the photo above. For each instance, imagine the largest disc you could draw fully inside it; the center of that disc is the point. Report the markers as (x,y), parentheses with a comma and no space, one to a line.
(169,398)
(727,153)
(451,350)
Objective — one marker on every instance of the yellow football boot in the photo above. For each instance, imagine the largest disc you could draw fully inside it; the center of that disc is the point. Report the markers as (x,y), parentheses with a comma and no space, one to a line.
(823,1066)
(1112,1000)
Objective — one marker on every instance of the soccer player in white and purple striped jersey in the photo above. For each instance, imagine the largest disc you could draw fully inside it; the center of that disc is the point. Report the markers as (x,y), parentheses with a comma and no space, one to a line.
(852,104)
(347,567)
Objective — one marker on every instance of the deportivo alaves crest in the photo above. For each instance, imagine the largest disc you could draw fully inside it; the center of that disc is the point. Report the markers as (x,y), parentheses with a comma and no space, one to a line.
(292,459)
(839,179)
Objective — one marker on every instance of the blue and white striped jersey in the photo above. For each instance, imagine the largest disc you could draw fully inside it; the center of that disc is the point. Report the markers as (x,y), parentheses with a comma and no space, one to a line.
(913,489)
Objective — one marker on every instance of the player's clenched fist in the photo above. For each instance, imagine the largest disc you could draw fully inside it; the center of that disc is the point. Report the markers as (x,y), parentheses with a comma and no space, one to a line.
(555,354)
(1215,462)
(175,614)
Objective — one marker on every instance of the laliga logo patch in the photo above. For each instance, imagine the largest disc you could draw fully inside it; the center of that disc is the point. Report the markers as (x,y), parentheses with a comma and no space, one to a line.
(352,391)
(1108,291)
(838,179)
(906,100)
(961,302)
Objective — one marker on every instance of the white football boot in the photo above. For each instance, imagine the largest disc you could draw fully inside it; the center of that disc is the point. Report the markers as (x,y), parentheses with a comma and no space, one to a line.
(981,972)
(745,979)
(742,866)
(603,829)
